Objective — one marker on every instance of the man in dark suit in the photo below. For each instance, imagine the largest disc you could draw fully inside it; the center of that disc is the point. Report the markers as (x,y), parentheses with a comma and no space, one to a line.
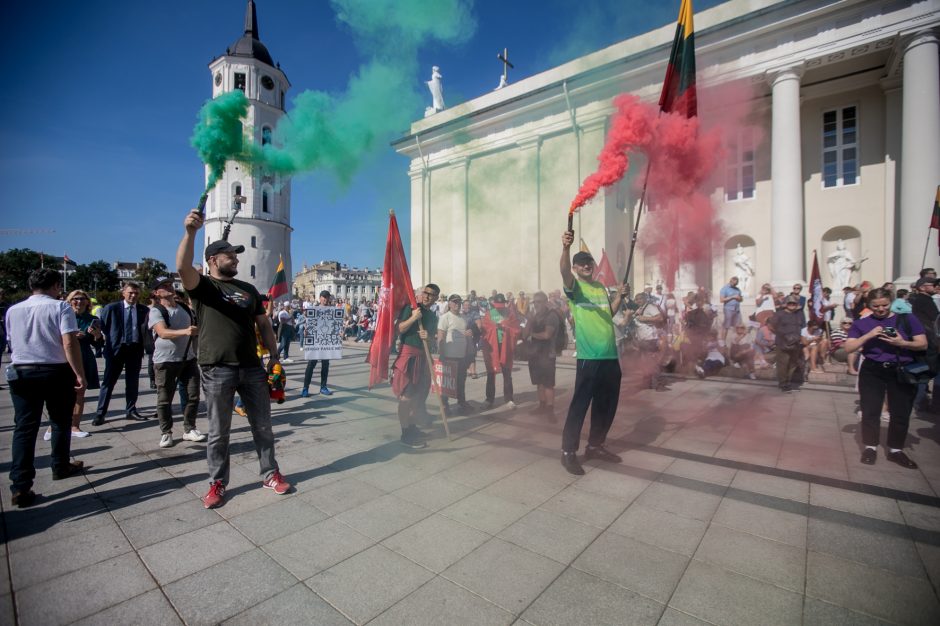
(125,330)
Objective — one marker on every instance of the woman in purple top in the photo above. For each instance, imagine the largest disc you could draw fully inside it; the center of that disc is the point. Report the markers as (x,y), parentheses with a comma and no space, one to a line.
(887,341)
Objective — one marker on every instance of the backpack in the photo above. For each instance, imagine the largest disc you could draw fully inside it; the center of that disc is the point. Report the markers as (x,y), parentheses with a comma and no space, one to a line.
(166,320)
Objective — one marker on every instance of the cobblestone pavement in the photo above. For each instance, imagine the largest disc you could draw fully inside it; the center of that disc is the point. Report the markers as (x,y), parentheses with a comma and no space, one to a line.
(734,504)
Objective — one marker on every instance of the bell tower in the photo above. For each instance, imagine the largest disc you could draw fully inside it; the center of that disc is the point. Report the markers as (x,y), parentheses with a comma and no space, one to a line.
(262,224)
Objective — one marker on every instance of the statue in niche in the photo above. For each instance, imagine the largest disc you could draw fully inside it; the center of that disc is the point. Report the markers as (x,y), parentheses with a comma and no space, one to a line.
(436,87)
(842,265)
(743,268)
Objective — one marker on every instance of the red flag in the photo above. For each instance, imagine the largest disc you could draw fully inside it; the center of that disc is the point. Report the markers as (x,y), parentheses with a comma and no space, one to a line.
(395,293)
(815,291)
(603,272)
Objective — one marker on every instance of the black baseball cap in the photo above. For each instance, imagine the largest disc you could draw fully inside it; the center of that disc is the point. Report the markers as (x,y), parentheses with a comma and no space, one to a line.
(325,294)
(582,258)
(221,246)
(160,281)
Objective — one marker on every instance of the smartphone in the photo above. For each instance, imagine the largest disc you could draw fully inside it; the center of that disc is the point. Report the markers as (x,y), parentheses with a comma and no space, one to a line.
(890,331)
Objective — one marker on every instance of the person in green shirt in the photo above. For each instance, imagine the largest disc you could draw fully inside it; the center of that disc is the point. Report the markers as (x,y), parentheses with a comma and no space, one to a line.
(597,381)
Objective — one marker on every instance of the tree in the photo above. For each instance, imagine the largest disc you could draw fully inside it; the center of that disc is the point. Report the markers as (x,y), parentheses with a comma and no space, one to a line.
(150,269)
(15,267)
(95,276)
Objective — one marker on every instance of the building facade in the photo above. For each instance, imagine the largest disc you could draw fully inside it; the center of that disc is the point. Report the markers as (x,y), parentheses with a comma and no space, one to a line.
(841,154)
(349,283)
(262,224)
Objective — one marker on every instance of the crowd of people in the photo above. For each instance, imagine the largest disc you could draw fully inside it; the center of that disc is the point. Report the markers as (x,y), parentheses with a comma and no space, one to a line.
(219,340)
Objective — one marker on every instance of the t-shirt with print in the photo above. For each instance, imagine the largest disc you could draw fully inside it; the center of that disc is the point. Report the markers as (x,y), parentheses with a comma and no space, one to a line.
(226,310)
(593,321)
(172,350)
(877,350)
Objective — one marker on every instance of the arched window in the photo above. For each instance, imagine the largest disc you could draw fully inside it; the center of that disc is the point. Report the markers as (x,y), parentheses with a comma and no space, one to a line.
(254,241)
(252,271)
(265,136)
(265,201)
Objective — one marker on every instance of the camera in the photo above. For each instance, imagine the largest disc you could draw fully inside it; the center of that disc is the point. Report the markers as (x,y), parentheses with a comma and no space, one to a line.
(889,331)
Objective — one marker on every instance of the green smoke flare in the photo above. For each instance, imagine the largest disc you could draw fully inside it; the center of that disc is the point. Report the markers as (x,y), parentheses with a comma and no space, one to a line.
(218,136)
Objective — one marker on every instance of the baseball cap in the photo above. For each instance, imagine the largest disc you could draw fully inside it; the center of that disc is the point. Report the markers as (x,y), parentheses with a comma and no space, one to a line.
(221,246)
(791,299)
(455,298)
(160,281)
(582,258)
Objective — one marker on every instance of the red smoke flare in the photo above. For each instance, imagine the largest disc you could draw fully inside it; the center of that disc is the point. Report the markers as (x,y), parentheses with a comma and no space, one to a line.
(682,225)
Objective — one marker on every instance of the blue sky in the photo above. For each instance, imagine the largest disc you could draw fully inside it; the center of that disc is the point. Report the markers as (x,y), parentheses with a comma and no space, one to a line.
(101,97)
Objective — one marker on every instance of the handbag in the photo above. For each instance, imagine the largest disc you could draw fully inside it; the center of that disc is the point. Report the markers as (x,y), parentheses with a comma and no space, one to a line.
(918,371)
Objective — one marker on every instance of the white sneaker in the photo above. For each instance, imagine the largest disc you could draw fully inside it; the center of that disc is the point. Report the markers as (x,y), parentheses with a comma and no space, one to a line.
(80,433)
(752,376)
(287,360)
(47,436)
(736,365)
(166,440)
(194,435)
(511,404)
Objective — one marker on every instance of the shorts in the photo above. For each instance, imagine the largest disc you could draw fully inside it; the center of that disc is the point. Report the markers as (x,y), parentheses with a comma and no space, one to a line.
(542,372)
(732,319)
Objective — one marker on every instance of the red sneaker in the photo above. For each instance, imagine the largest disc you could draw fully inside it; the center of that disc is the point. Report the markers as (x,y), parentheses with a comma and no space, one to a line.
(216,495)
(277,483)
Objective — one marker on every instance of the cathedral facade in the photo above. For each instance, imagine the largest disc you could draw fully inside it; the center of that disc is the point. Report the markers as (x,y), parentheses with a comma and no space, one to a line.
(840,154)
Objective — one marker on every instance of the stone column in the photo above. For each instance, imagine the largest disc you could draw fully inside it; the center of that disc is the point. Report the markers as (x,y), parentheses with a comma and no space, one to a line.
(419,235)
(920,153)
(786,173)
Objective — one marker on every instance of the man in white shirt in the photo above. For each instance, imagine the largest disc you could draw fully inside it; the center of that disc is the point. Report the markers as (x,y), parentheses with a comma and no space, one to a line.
(47,370)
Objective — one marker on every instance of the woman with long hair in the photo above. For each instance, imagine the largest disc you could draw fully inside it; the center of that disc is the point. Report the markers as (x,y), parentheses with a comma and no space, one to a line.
(888,342)
(89,335)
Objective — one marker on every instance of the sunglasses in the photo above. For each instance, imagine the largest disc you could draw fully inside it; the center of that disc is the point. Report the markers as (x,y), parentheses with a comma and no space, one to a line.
(79,299)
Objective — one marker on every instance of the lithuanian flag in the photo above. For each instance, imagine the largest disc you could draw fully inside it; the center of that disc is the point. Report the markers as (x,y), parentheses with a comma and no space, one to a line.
(279,285)
(678,94)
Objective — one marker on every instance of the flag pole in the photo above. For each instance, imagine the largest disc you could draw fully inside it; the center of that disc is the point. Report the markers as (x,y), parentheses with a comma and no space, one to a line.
(636,226)
(923,262)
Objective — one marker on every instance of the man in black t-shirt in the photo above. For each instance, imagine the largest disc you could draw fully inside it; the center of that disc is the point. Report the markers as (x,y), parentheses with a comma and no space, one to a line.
(228,310)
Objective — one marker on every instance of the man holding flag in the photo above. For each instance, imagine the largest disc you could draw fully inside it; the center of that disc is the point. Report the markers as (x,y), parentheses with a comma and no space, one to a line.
(399,312)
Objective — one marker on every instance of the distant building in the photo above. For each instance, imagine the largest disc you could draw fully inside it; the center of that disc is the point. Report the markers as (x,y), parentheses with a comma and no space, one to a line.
(127,272)
(348,283)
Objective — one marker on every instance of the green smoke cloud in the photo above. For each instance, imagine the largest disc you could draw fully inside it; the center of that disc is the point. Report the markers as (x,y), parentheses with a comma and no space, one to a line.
(338,132)
(218,135)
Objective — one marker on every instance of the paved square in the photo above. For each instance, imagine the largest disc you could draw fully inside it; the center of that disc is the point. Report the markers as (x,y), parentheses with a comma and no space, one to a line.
(734,504)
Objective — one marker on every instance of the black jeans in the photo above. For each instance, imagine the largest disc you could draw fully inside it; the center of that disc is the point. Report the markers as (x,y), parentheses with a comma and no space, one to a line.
(874,382)
(491,383)
(168,376)
(324,372)
(127,359)
(787,362)
(52,386)
(596,384)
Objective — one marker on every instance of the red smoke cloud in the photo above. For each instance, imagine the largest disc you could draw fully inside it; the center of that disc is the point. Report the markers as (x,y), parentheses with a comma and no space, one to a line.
(682,224)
